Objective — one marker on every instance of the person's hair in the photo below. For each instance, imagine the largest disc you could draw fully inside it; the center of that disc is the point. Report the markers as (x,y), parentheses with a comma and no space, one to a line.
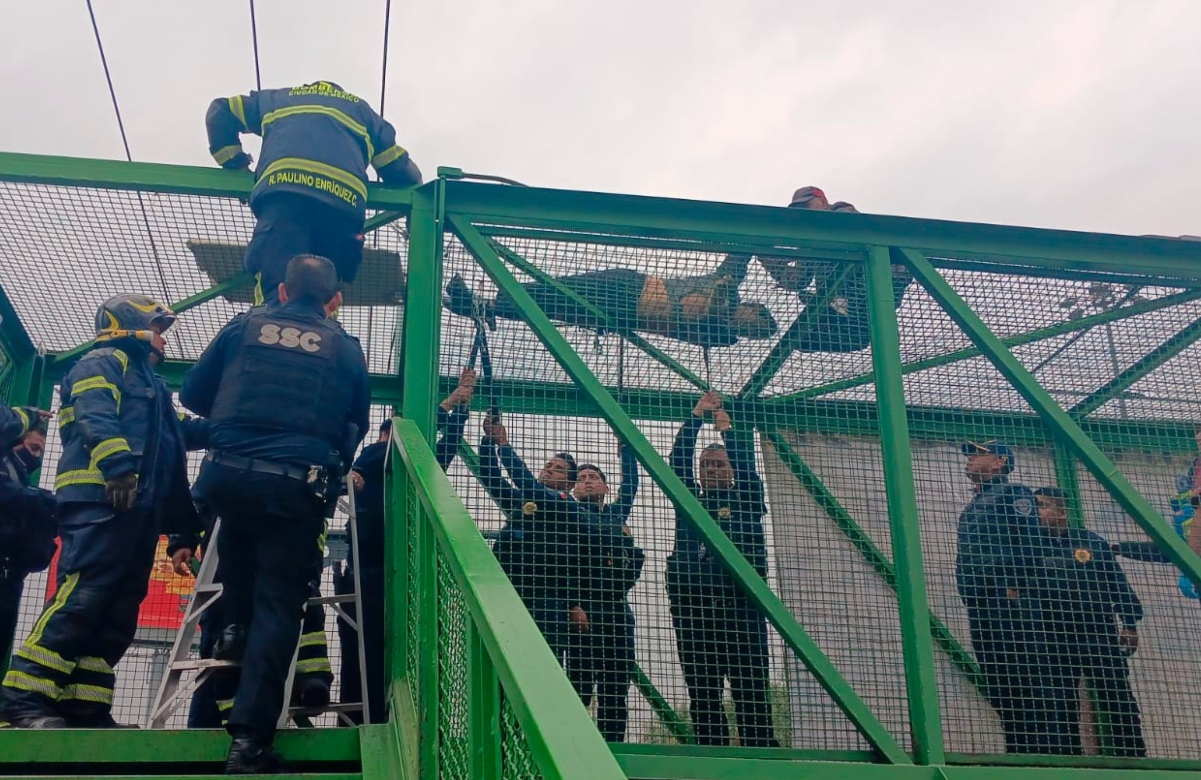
(572,469)
(753,320)
(592,467)
(714,447)
(1052,492)
(385,426)
(311,279)
(40,427)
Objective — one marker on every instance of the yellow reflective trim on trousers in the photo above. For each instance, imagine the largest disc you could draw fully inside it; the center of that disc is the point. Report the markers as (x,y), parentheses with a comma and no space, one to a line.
(92,693)
(43,656)
(23,417)
(313,666)
(332,113)
(313,638)
(324,535)
(225,704)
(388,156)
(239,111)
(66,416)
(96,383)
(60,599)
(108,448)
(78,477)
(90,663)
(27,682)
(318,168)
(227,153)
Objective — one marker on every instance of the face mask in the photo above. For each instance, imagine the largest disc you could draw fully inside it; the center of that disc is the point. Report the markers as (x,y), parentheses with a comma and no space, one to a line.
(31,462)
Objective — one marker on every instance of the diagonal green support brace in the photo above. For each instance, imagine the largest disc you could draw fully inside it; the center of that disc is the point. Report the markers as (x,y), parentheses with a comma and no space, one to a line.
(862,542)
(757,590)
(1059,329)
(1169,349)
(1063,425)
(787,344)
(602,318)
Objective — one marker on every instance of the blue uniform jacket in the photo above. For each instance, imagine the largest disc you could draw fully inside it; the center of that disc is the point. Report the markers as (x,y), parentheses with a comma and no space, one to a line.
(1080,585)
(612,560)
(117,417)
(995,534)
(202,381)
(27,527)
(317,141)
(739,510)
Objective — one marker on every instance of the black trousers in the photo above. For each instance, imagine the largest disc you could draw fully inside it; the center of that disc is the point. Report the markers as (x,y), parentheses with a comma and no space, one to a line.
(1095,656)
(600,664)
(720,636)
(11,589)
(270,531)
(373,624)
(1012,653)
(65,666)
(288,225)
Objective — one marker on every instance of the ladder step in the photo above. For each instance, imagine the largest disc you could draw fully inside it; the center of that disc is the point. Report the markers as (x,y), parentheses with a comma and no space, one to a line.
(203,663)
(345,598)
(351,707)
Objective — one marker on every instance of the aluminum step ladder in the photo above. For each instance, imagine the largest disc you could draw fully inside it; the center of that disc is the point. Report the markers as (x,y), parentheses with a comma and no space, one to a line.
(174,692)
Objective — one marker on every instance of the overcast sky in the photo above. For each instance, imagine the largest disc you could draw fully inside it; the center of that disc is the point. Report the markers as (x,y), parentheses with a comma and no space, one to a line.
(1080,114)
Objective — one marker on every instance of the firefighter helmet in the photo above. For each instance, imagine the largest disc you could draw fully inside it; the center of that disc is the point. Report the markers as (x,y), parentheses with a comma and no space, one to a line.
(131,316)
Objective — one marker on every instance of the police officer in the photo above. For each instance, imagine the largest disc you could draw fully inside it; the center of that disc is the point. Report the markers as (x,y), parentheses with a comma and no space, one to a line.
(600,658)
(539,546)
(1082,589)
(310,191)
(720,634)
(27,527)
(286,390)
(991,570)
(122,481)
(368,478)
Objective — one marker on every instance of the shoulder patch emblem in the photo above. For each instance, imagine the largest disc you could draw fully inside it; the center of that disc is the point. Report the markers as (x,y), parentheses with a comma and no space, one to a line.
(1082,555)
(1023,506)
(724,512)
(529,508)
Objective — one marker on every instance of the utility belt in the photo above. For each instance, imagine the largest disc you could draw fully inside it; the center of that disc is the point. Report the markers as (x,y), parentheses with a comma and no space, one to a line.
(322,481)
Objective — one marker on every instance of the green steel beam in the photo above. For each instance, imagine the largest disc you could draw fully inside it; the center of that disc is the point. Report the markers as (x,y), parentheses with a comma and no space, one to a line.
(1068,480)
(602,319)
(1056,419)
(863,543)
(1084,323)
(382,219)
(921,679)
(157,177)
(381,753)
(485,738)
(840,691)
(787,344)
(61,361)
(636,215)
(147,748)
(14,339)
(561,736)
(1169,349)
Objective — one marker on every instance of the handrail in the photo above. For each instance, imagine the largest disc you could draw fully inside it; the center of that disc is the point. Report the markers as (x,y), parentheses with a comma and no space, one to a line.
(562,738)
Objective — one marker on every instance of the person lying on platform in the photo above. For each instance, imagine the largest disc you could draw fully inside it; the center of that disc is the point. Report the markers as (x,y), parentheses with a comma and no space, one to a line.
(703,310)
(841,325)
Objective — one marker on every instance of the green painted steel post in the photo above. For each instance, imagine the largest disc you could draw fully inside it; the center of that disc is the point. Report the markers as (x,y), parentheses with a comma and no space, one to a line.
(1059,421)
(1068,480)
(794,635)
(483,697)
(921,680)
(419,372)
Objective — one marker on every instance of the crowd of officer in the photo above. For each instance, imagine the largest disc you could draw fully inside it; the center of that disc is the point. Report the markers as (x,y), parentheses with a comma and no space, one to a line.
(282,399)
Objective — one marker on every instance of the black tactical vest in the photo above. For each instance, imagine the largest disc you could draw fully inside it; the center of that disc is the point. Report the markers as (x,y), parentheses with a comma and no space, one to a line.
(284,375)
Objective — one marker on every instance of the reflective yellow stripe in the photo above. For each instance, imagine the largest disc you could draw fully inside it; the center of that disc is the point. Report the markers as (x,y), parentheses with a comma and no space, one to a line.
(123,359)
(27,682)
(324,535)
(388,156)
(96,383)
(227,153)
(239,110)
(23,417)
(313,666)
(319,168)
(78,477)
(225,704)
(313,638)
(90,663)
(66,416)
(93,693)
(44,657)
(108,448)
(332,113)
(60,599)
(259,300)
